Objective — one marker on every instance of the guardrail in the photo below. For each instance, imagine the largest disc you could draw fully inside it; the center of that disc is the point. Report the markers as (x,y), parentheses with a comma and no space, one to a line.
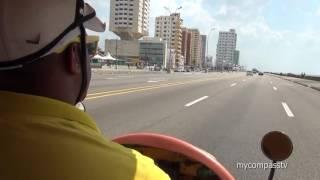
(308,77)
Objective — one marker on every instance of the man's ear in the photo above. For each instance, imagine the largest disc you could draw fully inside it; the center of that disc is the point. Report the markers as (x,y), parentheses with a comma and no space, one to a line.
(73,65)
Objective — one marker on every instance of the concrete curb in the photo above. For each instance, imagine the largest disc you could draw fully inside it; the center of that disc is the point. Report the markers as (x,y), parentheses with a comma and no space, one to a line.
(316,88)
(99,71)
(302,84)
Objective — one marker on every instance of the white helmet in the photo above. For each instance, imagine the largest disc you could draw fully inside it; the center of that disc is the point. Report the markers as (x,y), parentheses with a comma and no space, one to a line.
(31,29)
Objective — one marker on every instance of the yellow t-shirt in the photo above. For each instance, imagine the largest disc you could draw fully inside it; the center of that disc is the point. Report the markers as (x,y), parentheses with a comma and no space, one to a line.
(45,139)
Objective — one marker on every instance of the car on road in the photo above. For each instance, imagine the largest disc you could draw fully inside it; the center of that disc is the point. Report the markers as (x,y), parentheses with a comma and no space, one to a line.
(249,73)
(157,68)
(261,74)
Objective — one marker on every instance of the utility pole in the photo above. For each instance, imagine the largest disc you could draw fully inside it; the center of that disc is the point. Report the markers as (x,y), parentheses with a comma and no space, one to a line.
(117,53)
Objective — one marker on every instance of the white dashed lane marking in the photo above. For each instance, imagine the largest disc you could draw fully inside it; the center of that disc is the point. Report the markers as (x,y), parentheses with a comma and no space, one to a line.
(234,84)
(196,101)
(287,109)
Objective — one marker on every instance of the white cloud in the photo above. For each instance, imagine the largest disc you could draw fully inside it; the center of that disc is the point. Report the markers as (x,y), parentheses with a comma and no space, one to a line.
(222,11)
(318,12)
(192,12)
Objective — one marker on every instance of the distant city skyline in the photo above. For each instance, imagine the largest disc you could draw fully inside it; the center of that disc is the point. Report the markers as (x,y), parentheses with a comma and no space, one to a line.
(279,36)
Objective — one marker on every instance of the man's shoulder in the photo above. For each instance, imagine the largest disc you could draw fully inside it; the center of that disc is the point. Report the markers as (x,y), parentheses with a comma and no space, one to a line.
(70,146)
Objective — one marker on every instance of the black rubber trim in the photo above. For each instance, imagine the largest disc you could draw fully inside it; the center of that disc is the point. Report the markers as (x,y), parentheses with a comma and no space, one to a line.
(84,64)
(83,55)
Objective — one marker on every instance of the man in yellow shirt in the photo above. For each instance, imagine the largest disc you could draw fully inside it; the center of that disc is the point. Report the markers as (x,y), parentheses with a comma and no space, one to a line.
(44,72)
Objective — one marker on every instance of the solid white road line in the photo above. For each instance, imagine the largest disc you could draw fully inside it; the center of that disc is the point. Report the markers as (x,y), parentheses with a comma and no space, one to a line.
(125,76)
(287,109)
(234,84)
(152,81)
(275,88)
(196,101)
(244,80)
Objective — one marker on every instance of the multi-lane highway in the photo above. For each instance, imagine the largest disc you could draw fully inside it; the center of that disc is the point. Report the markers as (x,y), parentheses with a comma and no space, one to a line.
(226,114)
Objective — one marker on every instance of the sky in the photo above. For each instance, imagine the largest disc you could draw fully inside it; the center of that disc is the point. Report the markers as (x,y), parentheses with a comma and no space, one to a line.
(273,35)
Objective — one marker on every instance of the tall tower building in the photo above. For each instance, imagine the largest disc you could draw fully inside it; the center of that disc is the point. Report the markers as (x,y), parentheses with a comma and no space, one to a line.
(203,50)
(226,47)
(195,48)
(129,19)
(186,46)
(169,28)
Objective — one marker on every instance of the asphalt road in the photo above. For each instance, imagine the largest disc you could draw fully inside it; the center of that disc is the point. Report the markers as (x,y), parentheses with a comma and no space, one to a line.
(226,114)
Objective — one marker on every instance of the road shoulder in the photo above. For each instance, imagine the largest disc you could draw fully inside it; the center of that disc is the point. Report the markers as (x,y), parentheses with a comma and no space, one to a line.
(304,82)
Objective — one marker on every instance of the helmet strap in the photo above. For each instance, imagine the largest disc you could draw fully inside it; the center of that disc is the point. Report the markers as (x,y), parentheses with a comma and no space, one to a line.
(83,52)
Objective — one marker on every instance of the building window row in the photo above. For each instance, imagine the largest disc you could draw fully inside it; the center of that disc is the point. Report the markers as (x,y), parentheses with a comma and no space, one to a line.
(126,4)
(126,23)
(123,18)
(123,9)
(130,14)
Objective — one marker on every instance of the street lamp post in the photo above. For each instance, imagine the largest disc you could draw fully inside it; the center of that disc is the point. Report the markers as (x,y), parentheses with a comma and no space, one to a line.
(222,68)
(207,57)
(171,24)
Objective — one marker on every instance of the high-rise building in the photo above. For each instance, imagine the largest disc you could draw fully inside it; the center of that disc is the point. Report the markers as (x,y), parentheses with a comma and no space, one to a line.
(169,29)
(195,48)
(129,19)
(186,46)
(203,50)
(226,46)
